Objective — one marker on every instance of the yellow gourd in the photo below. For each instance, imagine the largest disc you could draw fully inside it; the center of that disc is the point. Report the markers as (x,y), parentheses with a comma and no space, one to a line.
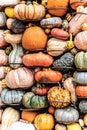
(9,11)
(74,126)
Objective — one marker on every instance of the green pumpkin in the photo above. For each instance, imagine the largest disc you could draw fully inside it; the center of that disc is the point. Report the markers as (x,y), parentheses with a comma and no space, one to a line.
(9,96)
(81,60)
(39,101)
(27,99)
(30,100)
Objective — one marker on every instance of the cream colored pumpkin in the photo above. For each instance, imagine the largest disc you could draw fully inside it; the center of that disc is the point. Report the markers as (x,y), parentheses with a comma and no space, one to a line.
(2,19)
(10,115)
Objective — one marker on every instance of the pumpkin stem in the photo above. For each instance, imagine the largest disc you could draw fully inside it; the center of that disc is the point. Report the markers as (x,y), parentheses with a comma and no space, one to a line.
(7,69)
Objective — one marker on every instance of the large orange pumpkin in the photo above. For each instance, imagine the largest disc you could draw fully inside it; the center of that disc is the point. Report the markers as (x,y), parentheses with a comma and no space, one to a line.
(57,7)
(75,3)
(34,38)
(81,91)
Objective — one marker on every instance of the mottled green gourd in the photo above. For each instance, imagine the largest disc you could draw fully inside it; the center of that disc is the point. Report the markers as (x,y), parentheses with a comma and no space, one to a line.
(83,106)
(65,60)
(81,60)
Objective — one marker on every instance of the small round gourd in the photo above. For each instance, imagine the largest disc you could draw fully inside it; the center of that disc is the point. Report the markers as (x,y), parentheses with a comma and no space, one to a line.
(83,106)
(74,126)
(66,115)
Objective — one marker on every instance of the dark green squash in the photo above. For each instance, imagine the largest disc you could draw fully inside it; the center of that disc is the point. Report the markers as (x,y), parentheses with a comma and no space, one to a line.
(83,106)
(65,60)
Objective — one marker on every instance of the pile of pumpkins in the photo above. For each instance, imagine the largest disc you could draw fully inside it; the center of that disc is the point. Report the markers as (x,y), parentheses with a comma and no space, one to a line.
(43,65)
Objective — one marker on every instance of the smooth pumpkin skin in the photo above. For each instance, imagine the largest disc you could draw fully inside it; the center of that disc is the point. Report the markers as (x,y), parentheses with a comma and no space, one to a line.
(44,121)
(28,115)
(55,4)
(74,126)
(85,119)
(81,60)
(34,38)
(81,91)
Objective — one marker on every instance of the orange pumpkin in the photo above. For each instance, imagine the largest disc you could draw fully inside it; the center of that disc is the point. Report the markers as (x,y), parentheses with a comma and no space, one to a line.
(57,7)
(75,3)
(28,115)
(81,91)
(85,119)
(48,75)
(34,38)
(37,59)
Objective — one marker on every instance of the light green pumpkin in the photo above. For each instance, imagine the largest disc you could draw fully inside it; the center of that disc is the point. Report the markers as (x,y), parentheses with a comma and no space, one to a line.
(81,60)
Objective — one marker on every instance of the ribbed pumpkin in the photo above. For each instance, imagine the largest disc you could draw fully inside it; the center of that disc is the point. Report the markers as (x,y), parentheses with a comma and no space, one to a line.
(75,3)
(81,60)
(80,40)
(10,115)
(28,115)
(34,38)
(20,78)
(11,96)
(57,7)
(80,77)
(81,91)
(44,122)
(33,11)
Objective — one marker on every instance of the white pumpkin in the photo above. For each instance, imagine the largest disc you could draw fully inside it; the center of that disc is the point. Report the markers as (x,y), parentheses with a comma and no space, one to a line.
(4,3)
(22,126)
(2,19)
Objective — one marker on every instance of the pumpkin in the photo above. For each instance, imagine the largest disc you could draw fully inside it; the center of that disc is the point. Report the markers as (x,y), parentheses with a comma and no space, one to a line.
(33,11)
(74,126)
(3,57)
(80,60)
(44,121)
(48,75)
(51,22)
(56,47)
(76,22)
(20,78)
(66,115)
(40,89)
(12,38)
(15,56)
(37,59)
(66,60)
(80,40)
(60,127)
(75,3)
(10,115)
(4,3)
(1,112)
(81,91)
(15,25)
(83,106)
(2,19)
(58,97)
(22,125)
(2,40)
(59,33)
(57,7)
(28,116)
(69,84)
(11,96)
(85,119)
(30,39)
(3,71)
(80,77)
(1,103)
(9,11)
(30,100)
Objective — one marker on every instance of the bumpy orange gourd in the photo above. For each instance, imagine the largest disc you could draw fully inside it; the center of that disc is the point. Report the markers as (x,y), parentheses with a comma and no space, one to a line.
(28,115)
(81,91)
(34,38)
(57,7)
